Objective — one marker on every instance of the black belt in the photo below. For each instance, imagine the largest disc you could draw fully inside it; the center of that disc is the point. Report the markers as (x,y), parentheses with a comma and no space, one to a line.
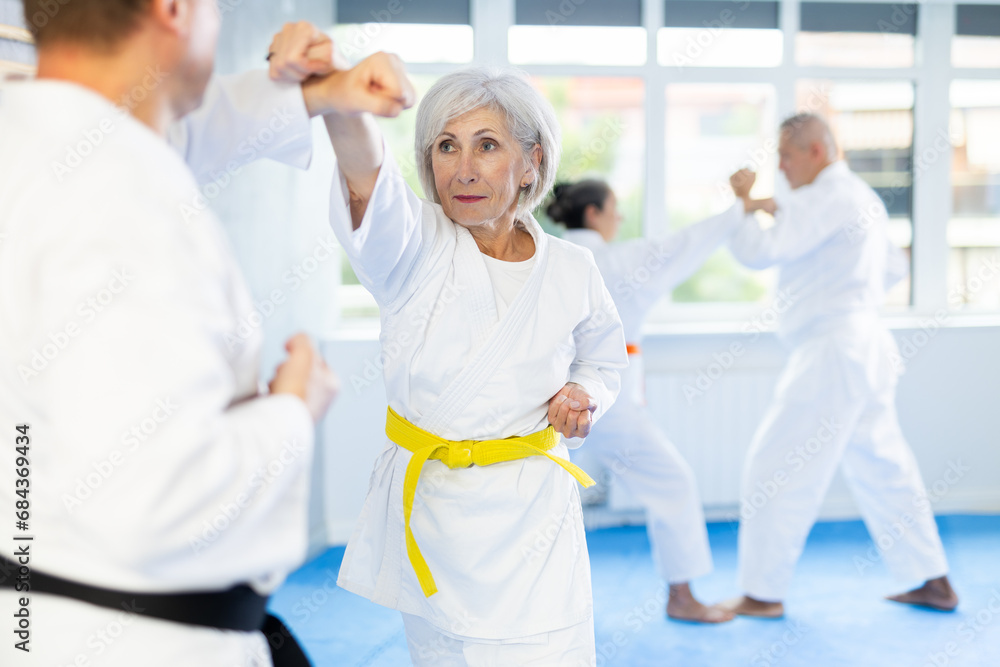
(239,608)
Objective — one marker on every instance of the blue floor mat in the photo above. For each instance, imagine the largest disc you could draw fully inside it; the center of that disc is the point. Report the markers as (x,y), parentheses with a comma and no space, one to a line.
(835,614)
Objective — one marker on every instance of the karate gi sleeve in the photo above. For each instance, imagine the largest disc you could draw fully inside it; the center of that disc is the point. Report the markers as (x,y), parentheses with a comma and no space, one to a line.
(803,222)
(673,260)
(242,118)
(600,347)
(205,491)
(396,230)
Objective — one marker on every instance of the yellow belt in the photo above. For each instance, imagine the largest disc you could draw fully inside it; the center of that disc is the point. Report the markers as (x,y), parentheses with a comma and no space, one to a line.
(461,454)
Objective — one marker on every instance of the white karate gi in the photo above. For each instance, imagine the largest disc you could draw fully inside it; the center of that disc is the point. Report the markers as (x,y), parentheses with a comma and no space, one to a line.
(149,469)
(627,441)
(505,543)
(835,400)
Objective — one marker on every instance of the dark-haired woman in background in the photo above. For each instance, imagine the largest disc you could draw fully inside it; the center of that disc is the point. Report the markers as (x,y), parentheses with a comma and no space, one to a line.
(637,273)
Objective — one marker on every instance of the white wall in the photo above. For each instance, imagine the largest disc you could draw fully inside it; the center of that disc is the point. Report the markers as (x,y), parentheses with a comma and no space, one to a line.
(947,402)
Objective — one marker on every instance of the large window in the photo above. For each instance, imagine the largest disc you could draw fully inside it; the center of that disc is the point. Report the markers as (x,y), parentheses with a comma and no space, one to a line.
(974,230)
(719,34)
(419,32)
(17,55)
(603,136)
(873,125)
(856,34)
(665,98)
(577,32)
(976,30)
(713,129)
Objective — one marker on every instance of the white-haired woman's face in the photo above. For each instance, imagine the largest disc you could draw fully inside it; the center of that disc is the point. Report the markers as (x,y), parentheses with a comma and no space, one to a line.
(479,168)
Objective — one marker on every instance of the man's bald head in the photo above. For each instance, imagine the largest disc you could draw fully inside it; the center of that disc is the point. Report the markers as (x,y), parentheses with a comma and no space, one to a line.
(806,147)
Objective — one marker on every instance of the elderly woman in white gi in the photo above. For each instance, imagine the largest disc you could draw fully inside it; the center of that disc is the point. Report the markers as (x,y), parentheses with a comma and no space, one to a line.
(502,337)
(627,441)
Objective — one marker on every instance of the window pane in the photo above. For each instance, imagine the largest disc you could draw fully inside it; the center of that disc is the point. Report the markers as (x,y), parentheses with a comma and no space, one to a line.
(837,34)
(974,230)
(603,136)
(713,130)
(397,11)
(579,12)
(759,14)
(413,42)
(873,125)
(580,45)
(17,54)
(731,47)
(853,49)
(873,17)
(975,51)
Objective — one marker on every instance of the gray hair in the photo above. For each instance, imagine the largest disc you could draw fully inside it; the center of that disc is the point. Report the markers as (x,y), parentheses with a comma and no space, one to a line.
(530,119)
(805,128)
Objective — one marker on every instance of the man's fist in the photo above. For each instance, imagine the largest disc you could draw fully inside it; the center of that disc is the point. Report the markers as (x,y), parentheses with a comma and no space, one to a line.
(377,84)
(305,374)
(302,50)
(742,182)
(571,411)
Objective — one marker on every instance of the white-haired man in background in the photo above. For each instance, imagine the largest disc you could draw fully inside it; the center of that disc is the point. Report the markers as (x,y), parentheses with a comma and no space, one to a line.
(835,400)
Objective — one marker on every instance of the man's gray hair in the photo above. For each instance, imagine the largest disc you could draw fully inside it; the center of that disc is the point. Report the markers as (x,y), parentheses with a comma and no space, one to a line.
(530,120)
(805,128)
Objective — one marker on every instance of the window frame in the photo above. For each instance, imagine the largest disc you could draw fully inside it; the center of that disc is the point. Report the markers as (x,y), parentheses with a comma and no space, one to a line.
(932,205)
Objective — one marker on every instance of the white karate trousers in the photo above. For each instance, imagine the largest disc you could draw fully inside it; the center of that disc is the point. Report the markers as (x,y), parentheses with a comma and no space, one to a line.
(834,404)
(627,442)
(570,647)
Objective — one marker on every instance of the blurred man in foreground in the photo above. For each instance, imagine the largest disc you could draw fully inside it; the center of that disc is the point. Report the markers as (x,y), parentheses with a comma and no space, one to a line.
(165,492)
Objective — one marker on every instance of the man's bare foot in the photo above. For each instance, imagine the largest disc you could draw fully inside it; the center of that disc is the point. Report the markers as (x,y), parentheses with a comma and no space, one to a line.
(748,606)
(682,606)
(934,594)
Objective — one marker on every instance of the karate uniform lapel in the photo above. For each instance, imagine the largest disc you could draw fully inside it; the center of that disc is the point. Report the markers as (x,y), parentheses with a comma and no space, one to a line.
(498,337)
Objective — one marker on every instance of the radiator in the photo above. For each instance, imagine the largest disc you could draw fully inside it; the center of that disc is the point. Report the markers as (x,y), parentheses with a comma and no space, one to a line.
(712,430)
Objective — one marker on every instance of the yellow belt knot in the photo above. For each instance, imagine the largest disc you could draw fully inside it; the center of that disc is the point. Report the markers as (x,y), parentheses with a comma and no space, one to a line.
(461,454)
